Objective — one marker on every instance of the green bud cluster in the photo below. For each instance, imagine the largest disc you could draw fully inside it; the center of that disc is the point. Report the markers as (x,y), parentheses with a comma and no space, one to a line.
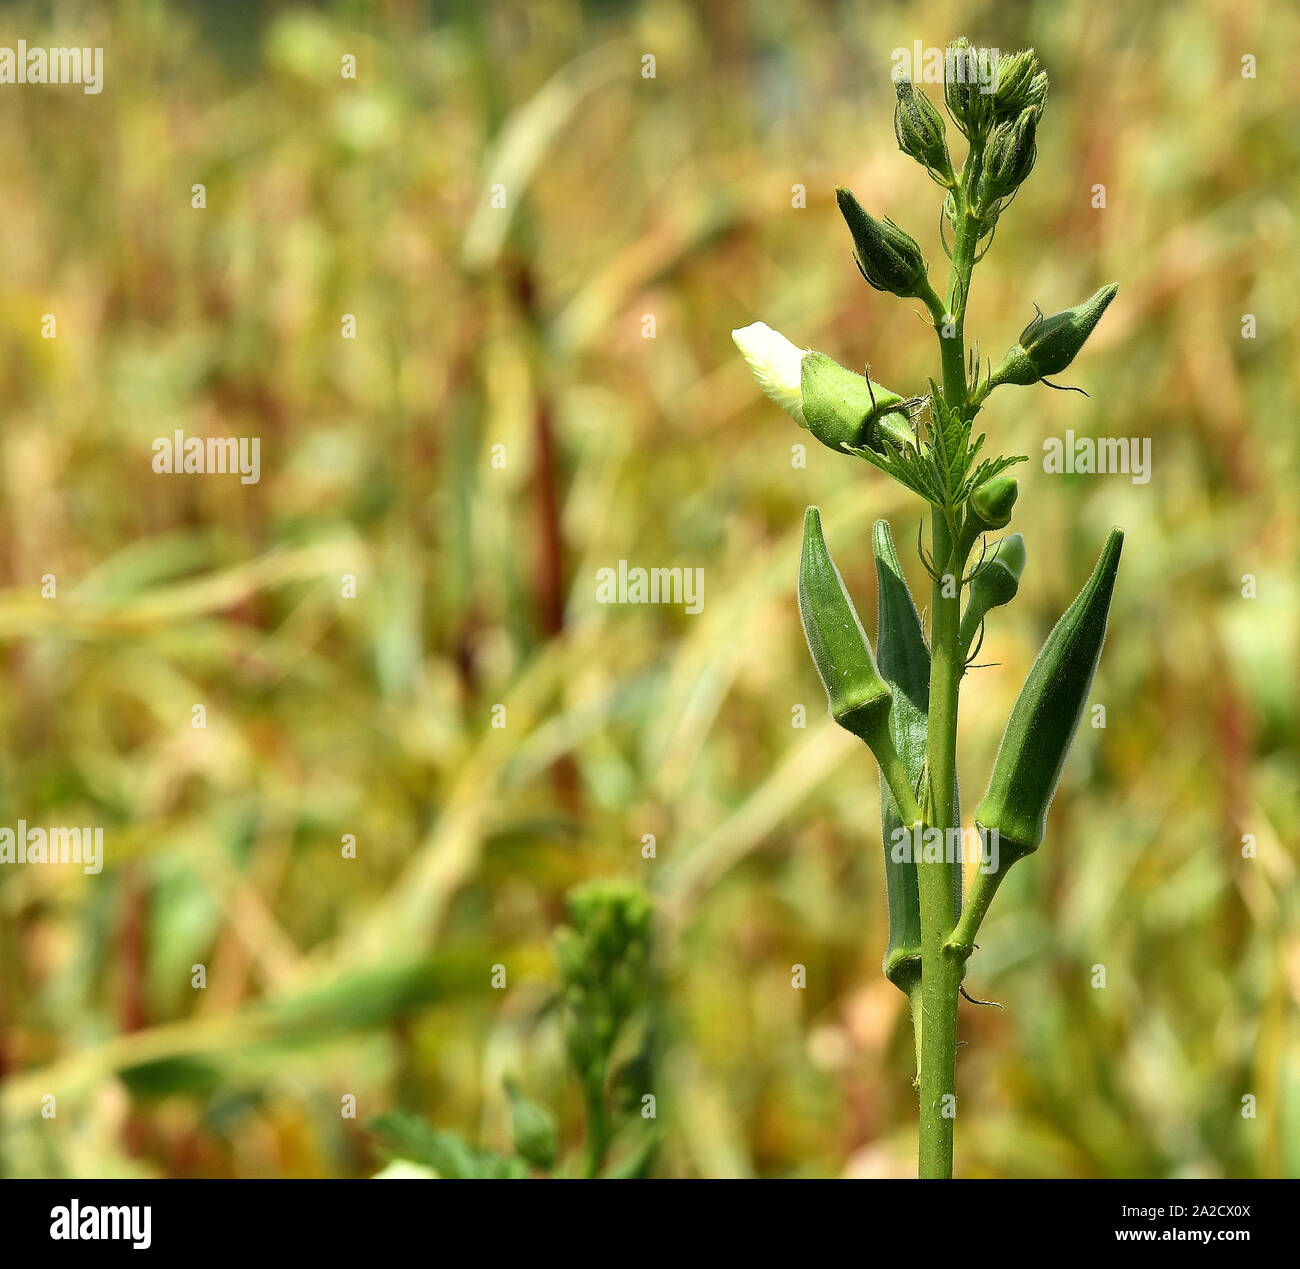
(604,962)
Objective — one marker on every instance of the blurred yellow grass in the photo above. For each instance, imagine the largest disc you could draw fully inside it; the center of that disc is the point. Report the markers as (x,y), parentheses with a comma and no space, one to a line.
(627,197)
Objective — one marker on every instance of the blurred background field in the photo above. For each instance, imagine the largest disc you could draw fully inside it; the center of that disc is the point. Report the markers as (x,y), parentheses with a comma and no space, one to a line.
(633,205)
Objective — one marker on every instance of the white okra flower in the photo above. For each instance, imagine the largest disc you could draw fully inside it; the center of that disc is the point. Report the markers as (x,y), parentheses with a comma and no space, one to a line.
(776,364)
(841,409)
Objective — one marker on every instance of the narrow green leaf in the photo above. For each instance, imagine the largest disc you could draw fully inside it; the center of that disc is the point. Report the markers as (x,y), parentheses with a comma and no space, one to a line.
(407,1136)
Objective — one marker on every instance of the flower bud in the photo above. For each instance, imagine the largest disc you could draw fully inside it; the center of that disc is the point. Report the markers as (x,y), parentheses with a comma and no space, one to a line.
(1052,343)
(1008,158)
(999,580)
(969,105)
(859,698)
(888,258)
(1021,85)
(840,408)
(995,584)
(920,131)
(993,500)
(1049,344)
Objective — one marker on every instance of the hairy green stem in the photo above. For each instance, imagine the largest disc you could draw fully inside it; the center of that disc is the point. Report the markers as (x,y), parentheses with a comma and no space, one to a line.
(961,943)
(881,743)
(941,971)
(918,1015)
(942,968)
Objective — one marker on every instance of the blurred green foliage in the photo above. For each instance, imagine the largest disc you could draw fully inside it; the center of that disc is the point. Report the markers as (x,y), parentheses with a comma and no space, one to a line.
(671,207)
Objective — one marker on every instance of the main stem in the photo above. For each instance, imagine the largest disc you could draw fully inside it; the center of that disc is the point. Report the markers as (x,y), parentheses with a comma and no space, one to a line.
(941,969)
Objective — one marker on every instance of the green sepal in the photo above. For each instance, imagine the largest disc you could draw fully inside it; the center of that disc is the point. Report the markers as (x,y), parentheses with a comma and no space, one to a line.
(843,409)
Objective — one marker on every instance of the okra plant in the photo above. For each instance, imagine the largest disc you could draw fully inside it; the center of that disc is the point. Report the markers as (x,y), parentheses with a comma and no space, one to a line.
(902,700)
(607,1002)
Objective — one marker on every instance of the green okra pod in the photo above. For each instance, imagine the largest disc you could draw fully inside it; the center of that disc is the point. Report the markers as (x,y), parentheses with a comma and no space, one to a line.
(1046,715)
(859,698)
(904,663)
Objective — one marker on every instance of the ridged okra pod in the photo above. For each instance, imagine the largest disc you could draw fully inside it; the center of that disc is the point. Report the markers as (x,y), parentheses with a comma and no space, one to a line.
(1046,715)
(904,662)
(859,699)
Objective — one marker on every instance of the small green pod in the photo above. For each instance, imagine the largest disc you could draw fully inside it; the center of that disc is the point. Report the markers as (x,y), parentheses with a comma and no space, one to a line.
(859,698)
(1046,715)
(995,584)
(904,663)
